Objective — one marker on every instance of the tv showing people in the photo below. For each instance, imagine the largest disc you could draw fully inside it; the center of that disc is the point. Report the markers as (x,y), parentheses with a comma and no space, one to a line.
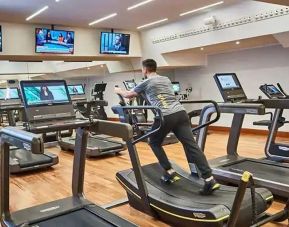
(48,93)
(54,41)
(176,87)
(9,93)
(0,39)
(114,43)
(76,89)
(227,81)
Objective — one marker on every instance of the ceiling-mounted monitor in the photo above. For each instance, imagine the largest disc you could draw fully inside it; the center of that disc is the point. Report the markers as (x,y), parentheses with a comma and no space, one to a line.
(114,43)
(54,41)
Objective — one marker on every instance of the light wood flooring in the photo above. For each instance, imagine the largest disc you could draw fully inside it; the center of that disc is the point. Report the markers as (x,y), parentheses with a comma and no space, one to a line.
(101,186)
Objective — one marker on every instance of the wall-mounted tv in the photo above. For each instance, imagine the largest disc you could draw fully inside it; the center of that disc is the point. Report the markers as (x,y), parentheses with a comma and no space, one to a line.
(0,39)
(54,41)
(114,43)
(76,89)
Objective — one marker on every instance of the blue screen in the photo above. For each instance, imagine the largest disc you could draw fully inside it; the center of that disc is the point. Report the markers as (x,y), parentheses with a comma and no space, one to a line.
(46,93)
(176,87)
(9,93)
(54,41)
(114,43)
(76,89)
(0,39)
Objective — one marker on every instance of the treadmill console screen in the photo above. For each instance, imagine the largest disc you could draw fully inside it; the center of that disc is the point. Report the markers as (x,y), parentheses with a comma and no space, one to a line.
(176,87)
(129,84)
(271,91)
(230,87)
(45,93)
(76,89)
(99,87)
(9,93)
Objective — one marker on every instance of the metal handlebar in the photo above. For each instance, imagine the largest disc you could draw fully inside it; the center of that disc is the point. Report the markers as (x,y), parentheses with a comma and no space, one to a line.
(282,90)
(216,106)
(152,108)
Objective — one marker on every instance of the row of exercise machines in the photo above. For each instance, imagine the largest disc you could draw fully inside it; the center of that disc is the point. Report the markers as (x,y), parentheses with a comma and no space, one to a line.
(178,204)
(22,161)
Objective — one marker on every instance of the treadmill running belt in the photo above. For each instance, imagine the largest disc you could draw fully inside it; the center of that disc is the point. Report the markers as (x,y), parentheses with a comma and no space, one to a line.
(75,219)
(26,158)
(262,170)
(186,192)
(101,144)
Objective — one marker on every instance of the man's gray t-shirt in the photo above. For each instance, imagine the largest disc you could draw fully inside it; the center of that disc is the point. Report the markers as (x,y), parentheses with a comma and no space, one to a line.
(158,91)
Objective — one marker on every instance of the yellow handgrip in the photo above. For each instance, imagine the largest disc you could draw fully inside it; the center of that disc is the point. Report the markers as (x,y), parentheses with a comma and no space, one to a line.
(246,176)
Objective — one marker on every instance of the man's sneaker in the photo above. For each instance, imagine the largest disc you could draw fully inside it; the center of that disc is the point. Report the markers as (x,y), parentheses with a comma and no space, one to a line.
(170,178)
(210,187)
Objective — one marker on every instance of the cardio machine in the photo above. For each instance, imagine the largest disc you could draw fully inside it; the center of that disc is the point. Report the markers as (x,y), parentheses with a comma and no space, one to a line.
(20,160)
(267,173)
(140,117)
(75,210)
(273,150)
(98,145)
(179,203)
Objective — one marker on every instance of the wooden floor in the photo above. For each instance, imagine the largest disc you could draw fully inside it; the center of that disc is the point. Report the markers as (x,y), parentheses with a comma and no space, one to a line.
(101,186)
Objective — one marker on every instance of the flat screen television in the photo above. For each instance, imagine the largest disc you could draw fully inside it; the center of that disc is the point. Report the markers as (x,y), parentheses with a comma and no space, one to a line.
(9,93)
(0,39)
(76,89)
(114,43)
(54,41)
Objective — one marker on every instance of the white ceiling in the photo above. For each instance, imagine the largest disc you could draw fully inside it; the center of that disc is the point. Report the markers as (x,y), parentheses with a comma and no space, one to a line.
(81,12)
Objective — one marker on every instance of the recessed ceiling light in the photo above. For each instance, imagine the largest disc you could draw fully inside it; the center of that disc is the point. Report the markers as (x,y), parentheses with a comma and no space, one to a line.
(153,23)
(202,8)
(139,4)
(202,48)
(57,0)
(101,66)
(37,13)
(237,42)
(102,19)
(88,68)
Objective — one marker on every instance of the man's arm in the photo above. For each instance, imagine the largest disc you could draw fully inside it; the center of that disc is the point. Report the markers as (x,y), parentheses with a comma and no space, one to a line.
(125,94)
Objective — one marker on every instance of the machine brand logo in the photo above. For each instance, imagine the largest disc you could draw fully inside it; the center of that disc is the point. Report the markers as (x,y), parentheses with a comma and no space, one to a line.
(26,146)
(199,215)
(283,148)
(49,209)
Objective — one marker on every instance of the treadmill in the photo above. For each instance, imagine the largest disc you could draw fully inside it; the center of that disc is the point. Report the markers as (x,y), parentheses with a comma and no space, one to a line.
(21,160)
(267,173)
(98,145)
(275,151)
(180,204)
(75,210)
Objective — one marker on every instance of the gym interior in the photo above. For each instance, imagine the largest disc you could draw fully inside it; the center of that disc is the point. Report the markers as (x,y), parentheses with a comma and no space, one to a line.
(77,130)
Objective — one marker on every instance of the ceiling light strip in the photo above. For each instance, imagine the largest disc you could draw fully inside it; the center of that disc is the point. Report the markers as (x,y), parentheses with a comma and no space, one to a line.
(103,19)
(139,4)
(202,8)
(153,23)
(37,13)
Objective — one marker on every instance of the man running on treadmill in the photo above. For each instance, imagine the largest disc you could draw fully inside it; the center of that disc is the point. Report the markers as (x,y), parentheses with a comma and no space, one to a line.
(159,92)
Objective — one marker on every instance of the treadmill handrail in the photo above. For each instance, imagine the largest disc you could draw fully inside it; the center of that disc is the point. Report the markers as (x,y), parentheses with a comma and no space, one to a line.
(216,106)
(153,108)
(22,139)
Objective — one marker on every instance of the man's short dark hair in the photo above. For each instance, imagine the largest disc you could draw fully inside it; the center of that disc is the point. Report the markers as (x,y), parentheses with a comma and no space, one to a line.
(150,65)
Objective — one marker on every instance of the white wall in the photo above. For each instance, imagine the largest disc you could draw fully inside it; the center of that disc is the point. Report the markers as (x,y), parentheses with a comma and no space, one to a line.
(253,68)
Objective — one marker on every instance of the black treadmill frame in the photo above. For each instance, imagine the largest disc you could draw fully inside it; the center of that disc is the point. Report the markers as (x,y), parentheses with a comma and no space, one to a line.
(239,110)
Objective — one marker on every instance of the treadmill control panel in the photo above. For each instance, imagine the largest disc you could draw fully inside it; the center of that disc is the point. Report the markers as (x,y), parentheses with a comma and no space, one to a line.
(272,92)
(230,87)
